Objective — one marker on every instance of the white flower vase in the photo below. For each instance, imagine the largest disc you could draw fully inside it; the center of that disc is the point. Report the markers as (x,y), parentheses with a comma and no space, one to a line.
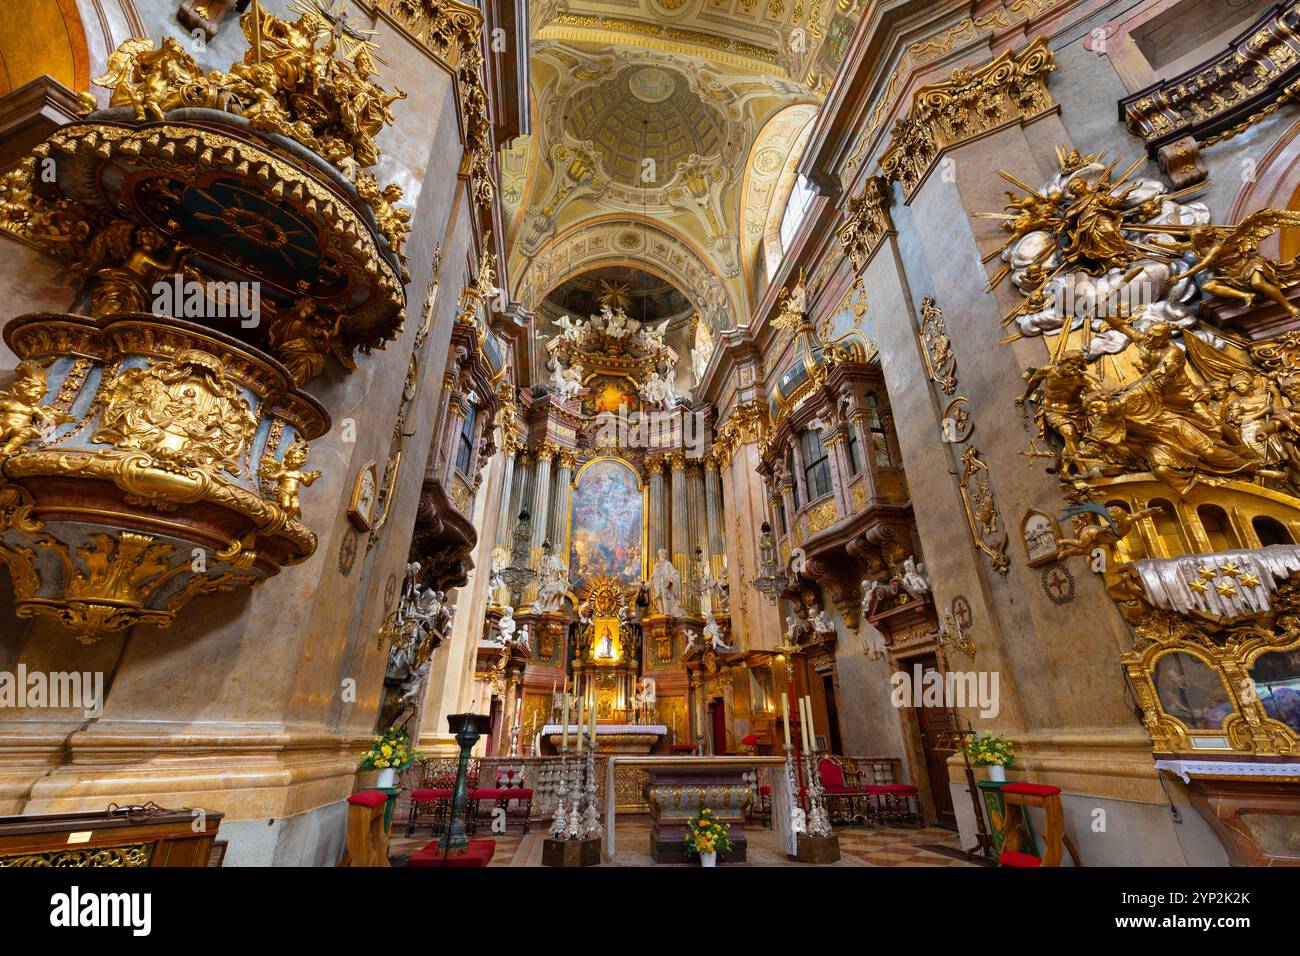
(997,772)
(387,778)
(709,859)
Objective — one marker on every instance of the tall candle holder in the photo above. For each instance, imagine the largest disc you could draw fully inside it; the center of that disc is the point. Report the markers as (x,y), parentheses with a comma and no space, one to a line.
(574,838)
(817,843)
(591,828)
(560,823)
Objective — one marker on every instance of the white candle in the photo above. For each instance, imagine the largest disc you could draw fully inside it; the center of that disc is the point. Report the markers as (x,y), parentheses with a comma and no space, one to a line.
(785,717)
(812,737)
(565,745)
(803,723)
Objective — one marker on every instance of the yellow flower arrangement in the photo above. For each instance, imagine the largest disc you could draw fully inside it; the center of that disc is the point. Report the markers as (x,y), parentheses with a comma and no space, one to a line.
(990,750)
(705,833)
(390,750)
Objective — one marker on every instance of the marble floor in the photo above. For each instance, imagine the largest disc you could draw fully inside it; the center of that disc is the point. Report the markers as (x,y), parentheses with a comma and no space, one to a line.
(859,846)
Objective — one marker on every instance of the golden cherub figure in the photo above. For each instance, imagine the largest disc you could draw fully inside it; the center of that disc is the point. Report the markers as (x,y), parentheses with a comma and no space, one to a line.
(149,80)
(289,477)
(20,409)
(1232,252)
(1090,536)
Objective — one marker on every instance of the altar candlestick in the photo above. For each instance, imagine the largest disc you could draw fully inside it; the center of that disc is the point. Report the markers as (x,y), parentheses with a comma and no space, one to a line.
(785,716)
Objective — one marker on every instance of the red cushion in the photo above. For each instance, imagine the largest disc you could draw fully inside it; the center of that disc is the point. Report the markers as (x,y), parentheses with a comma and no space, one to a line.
(486,793)
(429,796)
(901,789)
(682,748)
(841,791)
(479,854)
(765,790)
(832,774)
(368,798)
(519,793)
(1016,858)
(1033,789)
(877,791)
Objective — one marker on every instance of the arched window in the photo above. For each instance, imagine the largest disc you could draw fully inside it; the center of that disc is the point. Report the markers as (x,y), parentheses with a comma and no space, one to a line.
(1214,521)
(1271,531)
(796,208)
(816,466)
(465,451)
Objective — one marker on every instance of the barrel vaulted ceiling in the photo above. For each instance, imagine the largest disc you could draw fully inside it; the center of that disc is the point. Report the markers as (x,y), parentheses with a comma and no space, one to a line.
(664,133)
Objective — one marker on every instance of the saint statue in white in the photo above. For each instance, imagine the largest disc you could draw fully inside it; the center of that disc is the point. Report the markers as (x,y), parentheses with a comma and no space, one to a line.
(794,626)
(700,356)
(702,581)
(666,586)
(506,625)
(553,582)
(868,587)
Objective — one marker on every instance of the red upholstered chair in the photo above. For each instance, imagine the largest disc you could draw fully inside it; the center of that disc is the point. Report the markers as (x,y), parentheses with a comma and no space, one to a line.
(845,798)
(1019,797)
(510,789)
(431,800)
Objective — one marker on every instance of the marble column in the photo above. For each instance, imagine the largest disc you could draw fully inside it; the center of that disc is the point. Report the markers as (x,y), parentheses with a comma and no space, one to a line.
(539,510)
(696,529)
(658,506)
(561,498)
(509,481)
(714,547)
(681,538)
(836,443)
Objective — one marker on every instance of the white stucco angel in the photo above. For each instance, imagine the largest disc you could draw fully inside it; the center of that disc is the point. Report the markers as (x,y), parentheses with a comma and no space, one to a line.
(821,621)
(794,626)
(658,390)
(653,336)
(566,380)
(914,575)
(700,356)
(666,586)
(714,634)
(573,330)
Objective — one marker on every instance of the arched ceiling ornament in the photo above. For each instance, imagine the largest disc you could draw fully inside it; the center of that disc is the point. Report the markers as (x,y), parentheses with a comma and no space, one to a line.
(627,242)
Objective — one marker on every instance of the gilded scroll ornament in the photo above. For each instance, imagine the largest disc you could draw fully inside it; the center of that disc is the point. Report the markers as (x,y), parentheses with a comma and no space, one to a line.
(982,515)
(1012,88)
(940,361)
(866,222)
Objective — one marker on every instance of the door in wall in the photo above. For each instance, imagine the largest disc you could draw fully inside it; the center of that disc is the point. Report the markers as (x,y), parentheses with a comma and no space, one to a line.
(934,724)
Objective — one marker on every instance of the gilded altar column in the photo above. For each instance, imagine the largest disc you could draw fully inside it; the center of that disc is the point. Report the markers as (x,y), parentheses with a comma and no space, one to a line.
(713,545)
(681,539)
(561,498)
(725,683)
(695,528)
(502,746)
(658,505)
(539,512)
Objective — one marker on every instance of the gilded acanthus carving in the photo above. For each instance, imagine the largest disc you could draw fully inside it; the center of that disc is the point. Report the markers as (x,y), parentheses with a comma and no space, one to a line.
(940,361)
(1012,88)
(748,422)
(866,222)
